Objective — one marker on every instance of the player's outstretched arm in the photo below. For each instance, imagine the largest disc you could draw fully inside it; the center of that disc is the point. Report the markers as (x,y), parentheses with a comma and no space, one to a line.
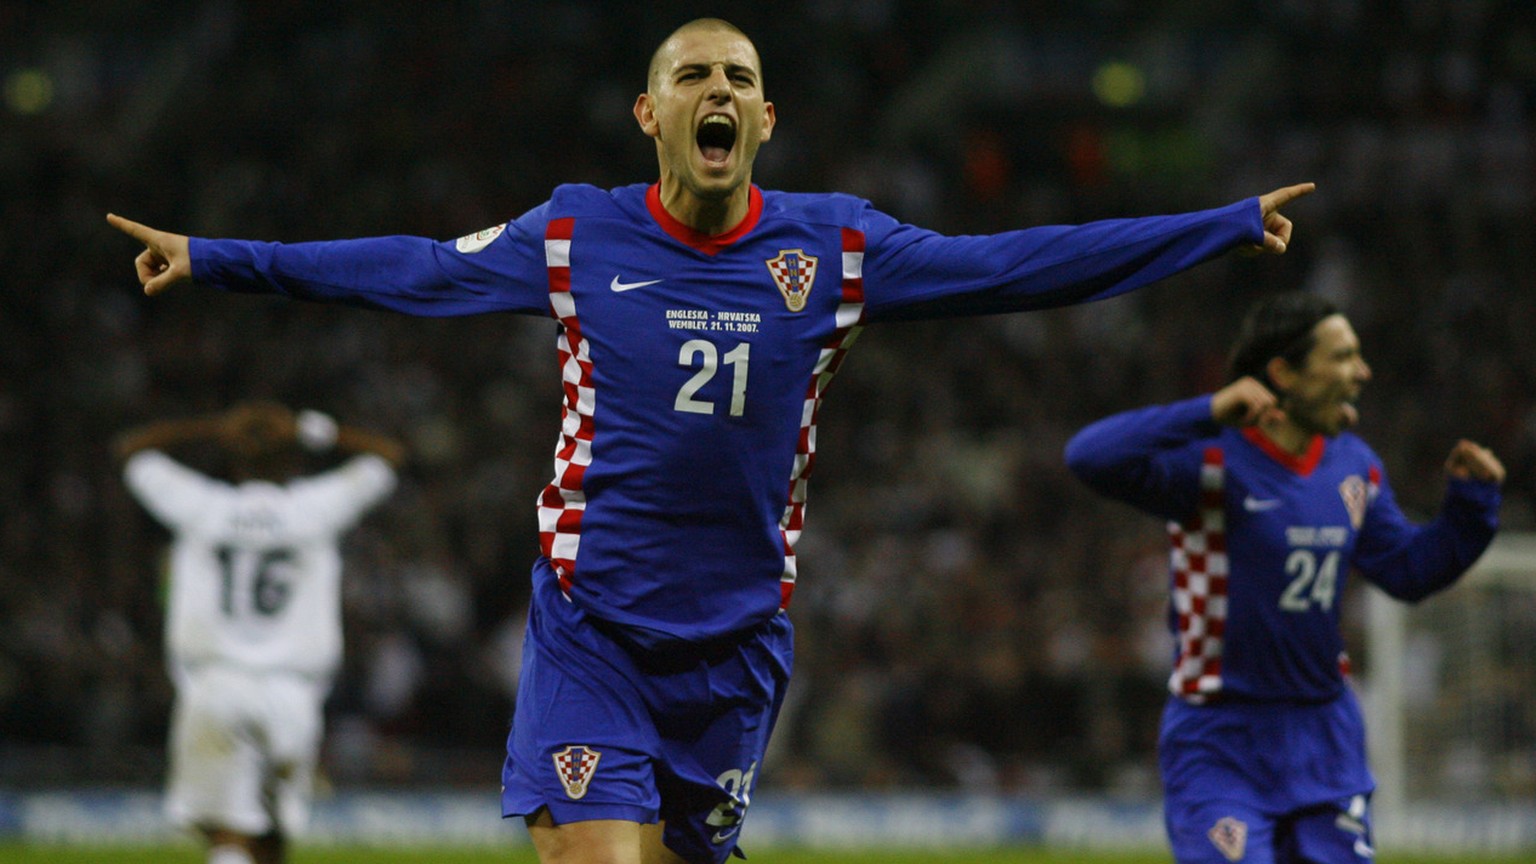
(1277,228)
(165,260)
(1470,461)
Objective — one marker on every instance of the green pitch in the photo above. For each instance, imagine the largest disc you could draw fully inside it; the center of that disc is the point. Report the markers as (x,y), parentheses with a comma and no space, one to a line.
(11,853)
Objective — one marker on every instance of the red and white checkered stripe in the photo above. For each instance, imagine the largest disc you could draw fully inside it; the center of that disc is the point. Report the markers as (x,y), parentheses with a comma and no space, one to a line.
(563,501)
(850,315)
(1198,555)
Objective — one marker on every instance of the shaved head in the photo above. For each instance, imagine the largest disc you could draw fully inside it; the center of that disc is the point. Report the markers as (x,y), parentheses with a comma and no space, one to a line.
(658,57)
(703,104)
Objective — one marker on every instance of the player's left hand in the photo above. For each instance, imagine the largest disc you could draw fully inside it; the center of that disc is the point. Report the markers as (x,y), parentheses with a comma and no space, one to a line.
(1473,461)
(1277,228)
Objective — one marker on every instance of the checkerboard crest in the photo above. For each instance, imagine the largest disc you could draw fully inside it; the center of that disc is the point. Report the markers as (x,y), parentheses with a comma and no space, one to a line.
(1359,493)
(794,272)
(1230,837)
(576,764)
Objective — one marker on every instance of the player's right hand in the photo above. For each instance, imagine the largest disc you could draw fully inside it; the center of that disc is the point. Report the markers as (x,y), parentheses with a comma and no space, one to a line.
(1244,402)
(165,261)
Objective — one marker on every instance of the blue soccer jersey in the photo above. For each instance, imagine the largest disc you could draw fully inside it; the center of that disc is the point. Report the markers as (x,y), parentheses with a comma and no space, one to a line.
(694,367)
(1262,746)
(1262,542)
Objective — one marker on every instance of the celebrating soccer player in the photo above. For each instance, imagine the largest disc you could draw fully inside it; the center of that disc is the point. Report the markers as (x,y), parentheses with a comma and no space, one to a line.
(1271,503)
(699,320)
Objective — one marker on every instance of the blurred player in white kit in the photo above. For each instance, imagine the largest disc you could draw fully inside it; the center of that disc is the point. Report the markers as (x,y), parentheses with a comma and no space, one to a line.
(253,633)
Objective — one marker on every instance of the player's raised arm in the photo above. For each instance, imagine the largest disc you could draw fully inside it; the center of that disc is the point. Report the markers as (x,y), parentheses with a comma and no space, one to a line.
(165,260)
(161,434)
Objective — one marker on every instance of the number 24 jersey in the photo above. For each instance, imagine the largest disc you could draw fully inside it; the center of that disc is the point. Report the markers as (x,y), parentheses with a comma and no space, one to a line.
(1262,542)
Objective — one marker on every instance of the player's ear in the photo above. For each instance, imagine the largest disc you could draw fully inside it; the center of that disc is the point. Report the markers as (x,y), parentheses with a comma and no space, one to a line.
(1280,374)
(769,118)
(645,115)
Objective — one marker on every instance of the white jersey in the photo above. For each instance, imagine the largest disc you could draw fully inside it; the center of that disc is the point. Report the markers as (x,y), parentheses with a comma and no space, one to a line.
(255,569)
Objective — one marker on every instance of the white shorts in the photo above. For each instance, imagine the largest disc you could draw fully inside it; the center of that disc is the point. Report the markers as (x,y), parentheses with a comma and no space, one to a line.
(243,749)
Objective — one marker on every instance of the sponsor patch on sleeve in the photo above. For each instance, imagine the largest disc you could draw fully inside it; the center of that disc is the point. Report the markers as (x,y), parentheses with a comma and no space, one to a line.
(478,240)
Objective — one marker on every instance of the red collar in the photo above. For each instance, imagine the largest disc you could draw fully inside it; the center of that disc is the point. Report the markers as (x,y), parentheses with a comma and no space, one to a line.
(1304,464)
(709,244)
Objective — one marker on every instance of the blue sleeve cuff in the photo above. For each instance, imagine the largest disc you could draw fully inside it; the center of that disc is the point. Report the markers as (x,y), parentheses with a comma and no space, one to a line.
(1480,494)
(202,264)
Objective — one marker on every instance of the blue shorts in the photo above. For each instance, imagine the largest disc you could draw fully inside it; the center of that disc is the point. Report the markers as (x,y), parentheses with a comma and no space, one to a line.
(1266,783)
(1222,832)
(606,731)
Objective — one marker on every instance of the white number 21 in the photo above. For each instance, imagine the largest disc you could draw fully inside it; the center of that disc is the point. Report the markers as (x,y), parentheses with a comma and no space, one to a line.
(708,361)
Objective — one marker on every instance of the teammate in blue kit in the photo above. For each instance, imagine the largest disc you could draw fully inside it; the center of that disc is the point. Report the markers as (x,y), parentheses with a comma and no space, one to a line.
(1271,503)
(700,320)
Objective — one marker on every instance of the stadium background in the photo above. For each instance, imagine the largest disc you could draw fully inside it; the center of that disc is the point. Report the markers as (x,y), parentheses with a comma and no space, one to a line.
(970,620)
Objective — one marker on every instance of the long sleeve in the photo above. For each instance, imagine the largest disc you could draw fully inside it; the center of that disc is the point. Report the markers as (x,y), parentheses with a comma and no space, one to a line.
(338,498)
(1411,562)
(173,493)
(413,275)
(1140,457)
(912,273)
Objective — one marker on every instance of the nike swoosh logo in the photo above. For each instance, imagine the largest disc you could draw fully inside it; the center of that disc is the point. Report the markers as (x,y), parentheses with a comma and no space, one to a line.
(616,285)
(1256,505)
(722,836)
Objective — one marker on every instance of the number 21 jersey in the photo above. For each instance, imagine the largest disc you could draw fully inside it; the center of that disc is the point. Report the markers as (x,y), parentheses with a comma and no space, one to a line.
(693,367)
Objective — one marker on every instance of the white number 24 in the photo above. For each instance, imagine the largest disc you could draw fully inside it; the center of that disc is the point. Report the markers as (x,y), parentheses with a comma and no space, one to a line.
(1312,582)
(704,353)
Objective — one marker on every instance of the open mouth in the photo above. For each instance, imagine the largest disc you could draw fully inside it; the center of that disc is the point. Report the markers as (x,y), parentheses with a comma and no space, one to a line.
(716,137)
(1349,412)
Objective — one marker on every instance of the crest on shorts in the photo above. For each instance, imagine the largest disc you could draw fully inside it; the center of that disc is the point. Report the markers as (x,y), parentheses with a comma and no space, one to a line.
(478,240)
(576,765)
(1230,836)
(794,272)
(1355,495)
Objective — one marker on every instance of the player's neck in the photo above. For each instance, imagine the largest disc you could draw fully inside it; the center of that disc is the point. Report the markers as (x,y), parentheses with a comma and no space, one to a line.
(709,216)
(1288,436)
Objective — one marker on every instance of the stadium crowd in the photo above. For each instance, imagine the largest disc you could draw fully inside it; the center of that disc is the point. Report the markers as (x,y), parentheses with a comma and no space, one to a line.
(967,615)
